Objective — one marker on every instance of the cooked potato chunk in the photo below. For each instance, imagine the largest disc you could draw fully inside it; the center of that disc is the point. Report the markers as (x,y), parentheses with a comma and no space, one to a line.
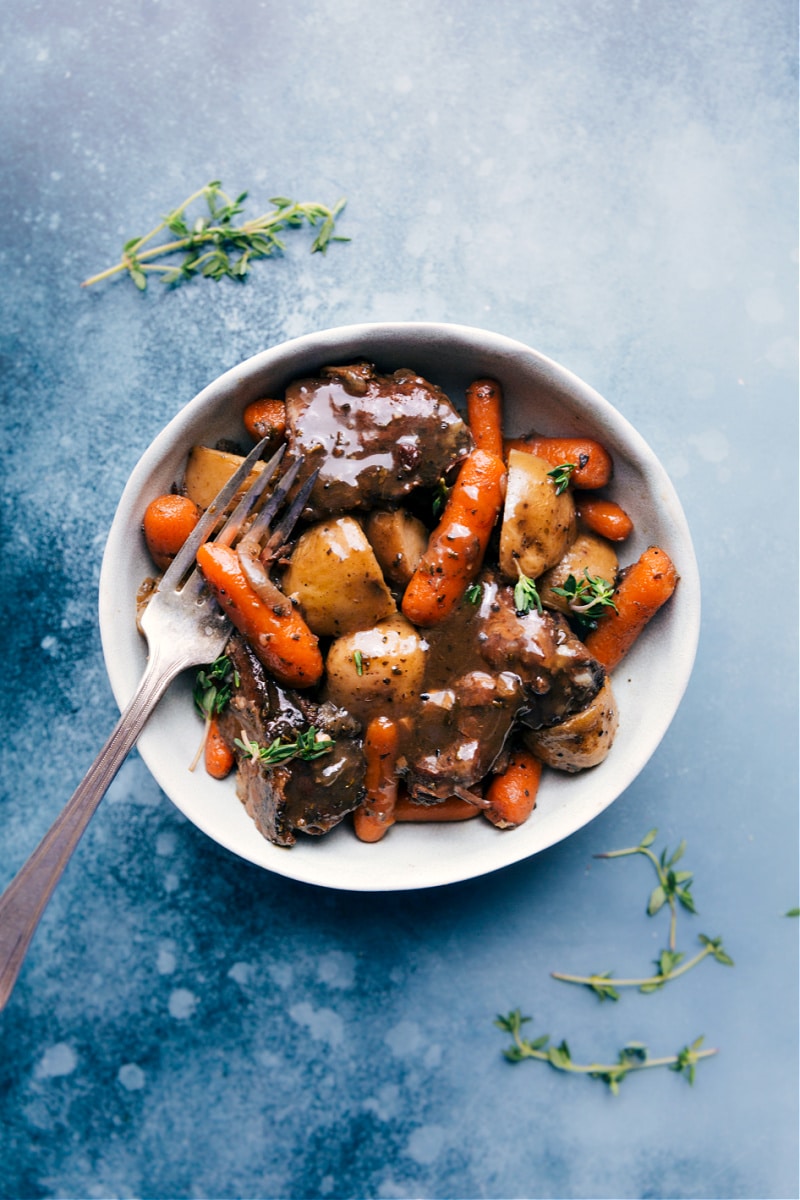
(588,553)
(335,578)
(538,525)
(582,740)
(377,670)
(208,470)
(399,541)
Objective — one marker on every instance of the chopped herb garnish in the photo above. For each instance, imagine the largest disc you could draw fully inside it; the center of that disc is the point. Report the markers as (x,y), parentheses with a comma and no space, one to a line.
(306,746)
(561,476)
(526,595)
(440,494)
(590,597)
(213,686)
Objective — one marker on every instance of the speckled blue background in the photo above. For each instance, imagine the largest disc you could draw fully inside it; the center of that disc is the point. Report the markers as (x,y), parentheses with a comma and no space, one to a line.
(611,181)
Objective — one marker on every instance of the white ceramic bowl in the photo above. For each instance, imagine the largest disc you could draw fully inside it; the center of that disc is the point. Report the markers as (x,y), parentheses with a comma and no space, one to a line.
(539,394)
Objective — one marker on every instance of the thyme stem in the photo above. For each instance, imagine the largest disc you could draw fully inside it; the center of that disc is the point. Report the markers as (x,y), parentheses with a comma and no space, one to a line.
(594,981)
(602,1069)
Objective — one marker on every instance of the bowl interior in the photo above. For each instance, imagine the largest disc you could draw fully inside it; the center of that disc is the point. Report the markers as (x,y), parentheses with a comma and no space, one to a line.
(540,395)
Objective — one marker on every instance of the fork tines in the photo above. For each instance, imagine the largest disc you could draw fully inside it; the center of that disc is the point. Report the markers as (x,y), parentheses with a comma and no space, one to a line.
(184,559)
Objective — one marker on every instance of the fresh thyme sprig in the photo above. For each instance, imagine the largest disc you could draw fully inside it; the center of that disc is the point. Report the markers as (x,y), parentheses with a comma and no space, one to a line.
(213,244)
(633,1057)
(590,597)
(561,476)
(212,691)
(306,746)
(673,889)
(526,594)
(670,965)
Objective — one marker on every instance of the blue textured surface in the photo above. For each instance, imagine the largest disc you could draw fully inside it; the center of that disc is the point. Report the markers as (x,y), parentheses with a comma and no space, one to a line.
(613,183)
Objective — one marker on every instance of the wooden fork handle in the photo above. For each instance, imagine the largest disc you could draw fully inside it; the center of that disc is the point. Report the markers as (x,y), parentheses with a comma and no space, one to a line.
(26,897)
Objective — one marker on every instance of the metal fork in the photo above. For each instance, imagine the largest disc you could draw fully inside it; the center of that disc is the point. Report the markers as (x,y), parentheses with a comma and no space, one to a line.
(184,627)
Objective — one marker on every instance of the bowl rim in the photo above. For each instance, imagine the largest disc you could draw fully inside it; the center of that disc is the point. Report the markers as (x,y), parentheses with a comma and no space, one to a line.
(170,446)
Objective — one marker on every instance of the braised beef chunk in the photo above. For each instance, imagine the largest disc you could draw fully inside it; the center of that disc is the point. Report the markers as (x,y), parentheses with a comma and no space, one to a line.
(373,437)
(287,798)
(511,669)
(302,797)
(559,673)
(459,733)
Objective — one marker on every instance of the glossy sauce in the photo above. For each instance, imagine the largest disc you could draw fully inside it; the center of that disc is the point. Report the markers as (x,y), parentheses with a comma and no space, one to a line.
(373,438)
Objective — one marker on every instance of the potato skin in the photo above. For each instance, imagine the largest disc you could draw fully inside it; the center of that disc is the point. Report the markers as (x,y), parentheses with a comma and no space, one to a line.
(538,525)
(399,541)
(588,553)
(378,670)
(582,740)
(334,576)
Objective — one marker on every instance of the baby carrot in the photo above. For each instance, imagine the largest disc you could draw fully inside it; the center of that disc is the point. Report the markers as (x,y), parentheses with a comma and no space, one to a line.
(512,795)
(168,521)
(276,631)
(604,517)
(643,588)
(266,419)
(376,813)
(593,463)
(485,415)
(219,758)
(456,547)
(451,809)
